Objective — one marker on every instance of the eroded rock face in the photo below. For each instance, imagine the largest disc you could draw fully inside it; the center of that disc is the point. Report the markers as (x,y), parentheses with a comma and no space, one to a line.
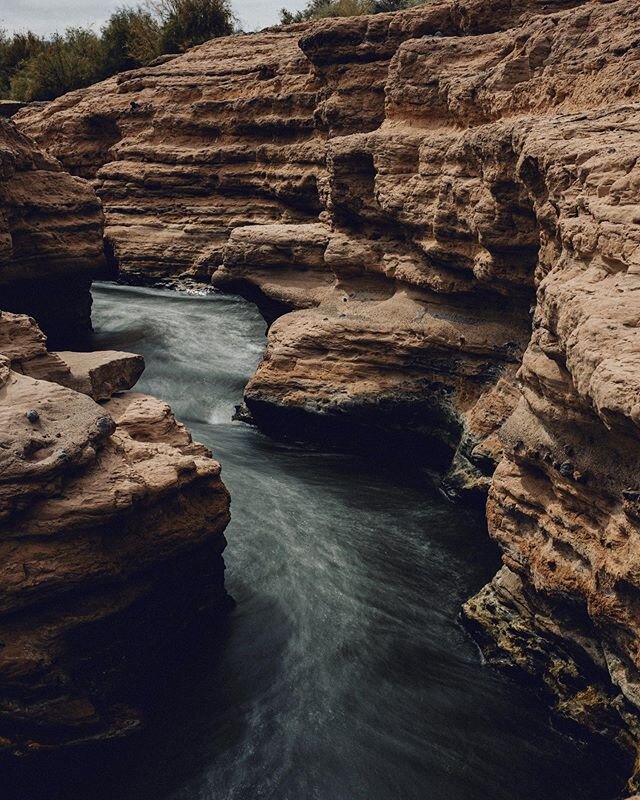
(282,165)
(50,239)
(111,534)
(564,505)
(442,204)
(111,517)
(97,374)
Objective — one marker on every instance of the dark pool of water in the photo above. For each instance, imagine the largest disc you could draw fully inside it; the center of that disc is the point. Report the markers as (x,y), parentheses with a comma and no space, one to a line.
(343,674)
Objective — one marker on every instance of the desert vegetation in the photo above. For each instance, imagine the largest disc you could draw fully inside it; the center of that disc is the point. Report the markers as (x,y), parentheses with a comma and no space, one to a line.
(318,9)
(42,68)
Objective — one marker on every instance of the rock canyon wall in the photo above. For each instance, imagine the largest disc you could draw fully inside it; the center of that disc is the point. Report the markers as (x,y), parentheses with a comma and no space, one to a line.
(50,239)
(287,166)
(439,209)
(111,517)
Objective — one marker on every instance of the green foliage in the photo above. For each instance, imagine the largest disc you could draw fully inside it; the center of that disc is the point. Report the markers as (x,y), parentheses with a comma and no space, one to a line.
(14,52)
(318,9)
(380,6)
(64,63)
(130,39)
(35,68)
(186,23)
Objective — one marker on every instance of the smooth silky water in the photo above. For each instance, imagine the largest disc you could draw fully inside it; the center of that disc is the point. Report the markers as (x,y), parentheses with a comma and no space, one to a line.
(343,674)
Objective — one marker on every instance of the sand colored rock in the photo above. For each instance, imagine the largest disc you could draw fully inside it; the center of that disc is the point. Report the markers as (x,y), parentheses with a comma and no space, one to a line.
(245,160)
(111,522)
(233,132)
(446,200)
(50,239)
(111,517)
(97,374)
(101,374)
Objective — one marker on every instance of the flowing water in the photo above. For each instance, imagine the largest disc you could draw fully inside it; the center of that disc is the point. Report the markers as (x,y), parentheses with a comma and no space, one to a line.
(344,674)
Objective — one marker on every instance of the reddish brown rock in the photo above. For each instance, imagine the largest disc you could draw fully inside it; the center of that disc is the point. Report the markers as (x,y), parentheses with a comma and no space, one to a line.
(111,517)
(233,132)
(98,374)
(102,374)
(246,159)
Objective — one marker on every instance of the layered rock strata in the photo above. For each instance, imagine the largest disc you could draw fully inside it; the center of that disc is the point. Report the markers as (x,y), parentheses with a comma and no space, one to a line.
(50,239)
(565,499)
(111,517)
(111,533)
(451,212)
(245,160)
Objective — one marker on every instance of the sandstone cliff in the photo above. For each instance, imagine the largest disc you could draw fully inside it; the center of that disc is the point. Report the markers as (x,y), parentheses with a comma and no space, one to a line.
(111,517)
(50,239)
(245,160)
(111,523)
(444,204)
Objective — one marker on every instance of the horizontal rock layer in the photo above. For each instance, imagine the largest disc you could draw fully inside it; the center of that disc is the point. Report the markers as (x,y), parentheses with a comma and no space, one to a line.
(51,243)
(111,517)
(245,159)
(450,210)
(111,522)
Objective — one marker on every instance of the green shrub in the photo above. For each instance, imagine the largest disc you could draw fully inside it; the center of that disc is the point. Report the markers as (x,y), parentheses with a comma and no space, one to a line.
(64,63)
(34,68)
(14,51)
(185,23)
(130,39)
(381,6)
(318,9)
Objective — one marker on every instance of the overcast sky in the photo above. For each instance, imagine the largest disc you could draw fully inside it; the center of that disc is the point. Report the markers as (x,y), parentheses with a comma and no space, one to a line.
(47,16)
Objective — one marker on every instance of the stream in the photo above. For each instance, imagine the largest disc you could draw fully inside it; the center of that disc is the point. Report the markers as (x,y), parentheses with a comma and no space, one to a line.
(343,674)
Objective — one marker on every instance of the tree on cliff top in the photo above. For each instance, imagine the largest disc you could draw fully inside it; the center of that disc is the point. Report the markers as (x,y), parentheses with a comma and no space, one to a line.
(36,68)
(63,61)
(130,38)
(318,9)
(185,23)
(14,51)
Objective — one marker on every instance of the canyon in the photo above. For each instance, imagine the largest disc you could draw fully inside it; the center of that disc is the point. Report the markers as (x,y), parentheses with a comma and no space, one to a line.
(436,211)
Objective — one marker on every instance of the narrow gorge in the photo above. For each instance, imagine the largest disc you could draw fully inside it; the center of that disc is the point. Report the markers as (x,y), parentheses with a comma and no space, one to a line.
(435,211)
